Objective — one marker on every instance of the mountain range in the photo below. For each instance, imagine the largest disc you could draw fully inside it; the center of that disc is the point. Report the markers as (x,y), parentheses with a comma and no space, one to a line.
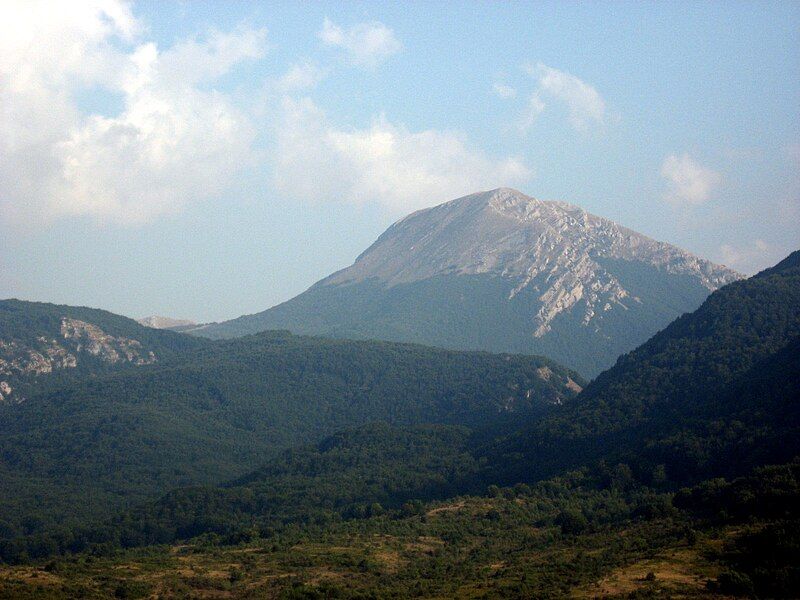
(136,461)
(503,272)
(715,394)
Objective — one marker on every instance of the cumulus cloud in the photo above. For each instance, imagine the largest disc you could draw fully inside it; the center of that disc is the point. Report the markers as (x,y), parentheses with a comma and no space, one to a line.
(366,44)
(174,140)
(688,181)
(385,163)
(584,103)
(171,137)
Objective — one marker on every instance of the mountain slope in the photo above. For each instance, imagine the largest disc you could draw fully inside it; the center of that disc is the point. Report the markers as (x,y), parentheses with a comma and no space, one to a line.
(718,384)
(716,393)
(502,272)
(354,473)
(365,472)
(212,413)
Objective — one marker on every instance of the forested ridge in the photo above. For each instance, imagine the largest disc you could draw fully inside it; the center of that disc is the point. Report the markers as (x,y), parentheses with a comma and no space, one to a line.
(24,320)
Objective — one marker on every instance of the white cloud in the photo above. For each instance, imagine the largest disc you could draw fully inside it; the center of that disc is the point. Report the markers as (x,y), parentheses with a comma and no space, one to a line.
(384,163)
(366,44)
(584,103)
(688,181)
(748,258)
(301,76)
(173,141)
(503,91)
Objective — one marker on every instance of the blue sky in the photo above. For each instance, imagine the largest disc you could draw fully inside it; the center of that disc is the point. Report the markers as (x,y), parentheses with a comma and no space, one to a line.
(205,160)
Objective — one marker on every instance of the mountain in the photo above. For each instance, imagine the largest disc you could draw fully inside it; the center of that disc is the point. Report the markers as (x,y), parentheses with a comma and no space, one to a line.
(504,272)
(716,392)
(157,322)
(42,342)
(592,503)
(216,410)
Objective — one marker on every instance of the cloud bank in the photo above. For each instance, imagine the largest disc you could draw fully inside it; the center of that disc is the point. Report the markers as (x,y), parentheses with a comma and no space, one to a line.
(170,135)
(174,140)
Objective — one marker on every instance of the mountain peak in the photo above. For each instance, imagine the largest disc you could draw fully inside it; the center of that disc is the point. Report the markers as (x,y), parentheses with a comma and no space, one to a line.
(502,196)
(499,270)
(505,199)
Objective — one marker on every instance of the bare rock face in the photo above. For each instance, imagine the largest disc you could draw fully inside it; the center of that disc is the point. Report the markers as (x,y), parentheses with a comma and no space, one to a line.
(93,340)
(45,355)
(553,248)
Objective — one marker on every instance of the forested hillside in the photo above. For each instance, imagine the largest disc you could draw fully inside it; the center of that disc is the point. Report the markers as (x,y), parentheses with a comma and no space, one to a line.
(581,535)
(674,432)
(94,446)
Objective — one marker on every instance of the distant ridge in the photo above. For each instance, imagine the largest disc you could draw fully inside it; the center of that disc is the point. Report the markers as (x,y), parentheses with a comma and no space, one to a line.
(502,271)
(158,322)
